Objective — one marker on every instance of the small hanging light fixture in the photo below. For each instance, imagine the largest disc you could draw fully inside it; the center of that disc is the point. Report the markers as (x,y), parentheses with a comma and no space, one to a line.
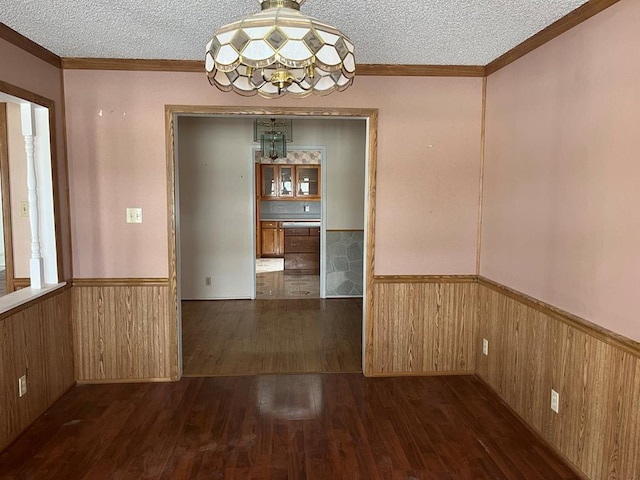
(280,51)
(273,136)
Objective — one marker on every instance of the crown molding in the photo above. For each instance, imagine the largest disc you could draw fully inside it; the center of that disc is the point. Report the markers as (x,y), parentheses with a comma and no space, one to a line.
(572,19)
(197,66)
(133,64)
(20,41)
(404,70)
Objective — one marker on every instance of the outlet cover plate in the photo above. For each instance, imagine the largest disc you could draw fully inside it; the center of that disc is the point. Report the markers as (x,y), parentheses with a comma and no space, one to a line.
(485,346)
(22,385)
(134,215)
(555,401)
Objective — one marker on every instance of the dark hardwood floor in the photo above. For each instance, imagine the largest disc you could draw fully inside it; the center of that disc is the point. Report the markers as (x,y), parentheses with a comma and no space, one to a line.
(339,426)
(244,337)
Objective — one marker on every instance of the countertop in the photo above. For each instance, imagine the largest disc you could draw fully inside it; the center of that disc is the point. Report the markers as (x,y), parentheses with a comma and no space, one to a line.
(290,222)
(289,217)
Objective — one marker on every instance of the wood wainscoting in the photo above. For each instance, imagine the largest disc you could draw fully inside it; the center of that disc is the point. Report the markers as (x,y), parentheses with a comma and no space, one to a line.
(424,325)
(121,330)
(534,348)
(37,341)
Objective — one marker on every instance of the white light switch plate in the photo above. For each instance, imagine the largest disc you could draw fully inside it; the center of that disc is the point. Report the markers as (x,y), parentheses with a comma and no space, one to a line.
(485,346)
(134,215)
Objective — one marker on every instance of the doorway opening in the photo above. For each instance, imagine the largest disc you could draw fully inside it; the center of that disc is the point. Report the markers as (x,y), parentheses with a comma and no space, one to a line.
(290,213)
(286,323)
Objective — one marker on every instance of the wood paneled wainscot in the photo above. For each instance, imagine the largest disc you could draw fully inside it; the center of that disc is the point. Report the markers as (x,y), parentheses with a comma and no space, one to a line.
(37,341)
(423,325)
(121,330)
(534,348)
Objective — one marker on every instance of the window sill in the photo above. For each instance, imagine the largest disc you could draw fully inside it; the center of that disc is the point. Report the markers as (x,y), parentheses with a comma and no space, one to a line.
(25,295)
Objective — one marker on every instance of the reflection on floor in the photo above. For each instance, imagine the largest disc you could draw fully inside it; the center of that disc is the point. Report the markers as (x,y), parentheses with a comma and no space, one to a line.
(245,337)
(272,283)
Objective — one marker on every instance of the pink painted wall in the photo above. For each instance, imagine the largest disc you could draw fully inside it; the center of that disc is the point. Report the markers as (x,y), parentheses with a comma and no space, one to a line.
(561,216)
(28,72)
(427,197)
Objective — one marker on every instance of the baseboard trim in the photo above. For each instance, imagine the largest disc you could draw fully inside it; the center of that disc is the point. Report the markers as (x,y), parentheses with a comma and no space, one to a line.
(535,433)
(120,282)
(108,381)
(453,373)
(607,336)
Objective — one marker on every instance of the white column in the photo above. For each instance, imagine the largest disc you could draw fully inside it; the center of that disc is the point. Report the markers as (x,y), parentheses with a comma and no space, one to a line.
(29,131)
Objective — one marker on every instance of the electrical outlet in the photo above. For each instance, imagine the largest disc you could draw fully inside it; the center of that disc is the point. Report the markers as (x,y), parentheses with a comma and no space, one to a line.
(134,215)
(22,385)
(207,281)
(485,346)
(555,401)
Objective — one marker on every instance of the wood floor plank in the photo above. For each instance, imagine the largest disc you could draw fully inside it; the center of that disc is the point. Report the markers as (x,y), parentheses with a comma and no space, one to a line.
(307,427)
(241,337)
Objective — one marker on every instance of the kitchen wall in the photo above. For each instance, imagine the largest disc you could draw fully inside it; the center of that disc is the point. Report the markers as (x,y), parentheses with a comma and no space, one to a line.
(345,142)
(215,172)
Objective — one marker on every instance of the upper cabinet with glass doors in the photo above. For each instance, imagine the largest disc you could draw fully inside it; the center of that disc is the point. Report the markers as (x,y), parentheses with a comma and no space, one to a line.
(308,181)
(290,182)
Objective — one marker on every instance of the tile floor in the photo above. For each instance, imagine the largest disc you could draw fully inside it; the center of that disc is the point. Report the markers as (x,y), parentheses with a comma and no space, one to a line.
(272,283)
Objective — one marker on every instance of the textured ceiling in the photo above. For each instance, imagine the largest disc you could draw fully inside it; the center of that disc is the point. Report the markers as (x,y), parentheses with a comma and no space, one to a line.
(426,32)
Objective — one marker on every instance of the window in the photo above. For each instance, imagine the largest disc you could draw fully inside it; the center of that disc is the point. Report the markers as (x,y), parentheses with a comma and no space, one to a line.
(28,253)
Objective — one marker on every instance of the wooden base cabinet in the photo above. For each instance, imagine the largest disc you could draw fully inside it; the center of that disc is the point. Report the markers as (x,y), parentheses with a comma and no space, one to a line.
(272,239)
(302,251)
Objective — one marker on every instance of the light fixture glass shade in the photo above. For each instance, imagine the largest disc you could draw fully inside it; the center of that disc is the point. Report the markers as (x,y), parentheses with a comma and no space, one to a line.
(280,51)
(273,135)
(273,145)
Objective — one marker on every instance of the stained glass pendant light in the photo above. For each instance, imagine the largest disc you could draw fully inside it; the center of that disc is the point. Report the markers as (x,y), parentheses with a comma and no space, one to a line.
(273,135)
(280,51)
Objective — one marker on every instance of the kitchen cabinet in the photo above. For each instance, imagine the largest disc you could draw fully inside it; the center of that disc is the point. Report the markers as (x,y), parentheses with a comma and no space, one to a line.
(308,181)
(270,178)
(302,251)
(272,239)
(289,182)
